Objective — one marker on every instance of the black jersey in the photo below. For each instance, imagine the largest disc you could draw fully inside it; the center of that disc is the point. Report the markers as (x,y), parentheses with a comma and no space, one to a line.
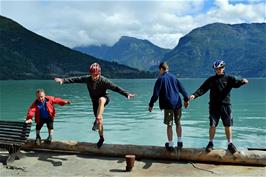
(220,87)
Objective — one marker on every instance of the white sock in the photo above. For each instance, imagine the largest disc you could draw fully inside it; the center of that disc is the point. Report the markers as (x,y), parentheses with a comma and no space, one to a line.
(171,144)
(229,141)
(211,140)
(179,139)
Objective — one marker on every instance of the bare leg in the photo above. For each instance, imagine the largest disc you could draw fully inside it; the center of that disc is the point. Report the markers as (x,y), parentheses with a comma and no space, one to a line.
(37,132)
(179,130)
(38,137)
(99,118)
(228,133)
(100,110)
(169,145)
(212,131)
(50,132)
(169,133)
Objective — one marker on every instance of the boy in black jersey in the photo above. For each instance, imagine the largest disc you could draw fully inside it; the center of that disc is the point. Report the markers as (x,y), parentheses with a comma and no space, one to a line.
(220,86)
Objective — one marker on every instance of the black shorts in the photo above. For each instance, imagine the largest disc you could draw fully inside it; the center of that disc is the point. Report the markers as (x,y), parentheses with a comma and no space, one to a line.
(223,111)
(49,122)
(95,105)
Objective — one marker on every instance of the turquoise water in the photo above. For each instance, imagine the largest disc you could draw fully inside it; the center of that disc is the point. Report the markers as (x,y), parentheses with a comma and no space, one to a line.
(129,122)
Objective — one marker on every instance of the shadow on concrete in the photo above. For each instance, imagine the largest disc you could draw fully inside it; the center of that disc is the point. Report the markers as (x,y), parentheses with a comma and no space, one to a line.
(50,157)
(117,170)
(53,158)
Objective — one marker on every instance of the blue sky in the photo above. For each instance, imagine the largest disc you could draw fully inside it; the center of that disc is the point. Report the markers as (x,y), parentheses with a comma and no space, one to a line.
(86,22)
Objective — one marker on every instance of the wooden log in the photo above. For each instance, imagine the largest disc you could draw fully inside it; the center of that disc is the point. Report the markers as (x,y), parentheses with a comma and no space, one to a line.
(245,157)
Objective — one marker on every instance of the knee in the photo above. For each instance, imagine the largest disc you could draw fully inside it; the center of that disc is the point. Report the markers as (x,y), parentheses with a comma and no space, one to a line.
(178,123)
(99,120)
(169,126)
(102,100)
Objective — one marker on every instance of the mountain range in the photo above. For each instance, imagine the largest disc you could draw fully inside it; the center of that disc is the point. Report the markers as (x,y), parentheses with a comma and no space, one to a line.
(241,46)
(133,52)
(26,55)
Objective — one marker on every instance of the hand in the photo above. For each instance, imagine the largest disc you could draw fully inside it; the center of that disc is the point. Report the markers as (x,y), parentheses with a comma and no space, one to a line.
(68,102)
(59,80)
(150,109)
(186,103)
(129,96)
(192,97)
(245,81)
(28,121)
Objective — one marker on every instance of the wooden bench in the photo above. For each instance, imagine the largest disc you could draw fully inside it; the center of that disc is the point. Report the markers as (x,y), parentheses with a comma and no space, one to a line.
(13,134)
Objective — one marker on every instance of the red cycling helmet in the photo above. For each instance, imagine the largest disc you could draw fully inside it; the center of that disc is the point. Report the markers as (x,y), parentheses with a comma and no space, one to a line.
(95,69)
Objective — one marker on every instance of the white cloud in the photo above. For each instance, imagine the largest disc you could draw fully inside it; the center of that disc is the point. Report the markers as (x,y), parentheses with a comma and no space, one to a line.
(78,23)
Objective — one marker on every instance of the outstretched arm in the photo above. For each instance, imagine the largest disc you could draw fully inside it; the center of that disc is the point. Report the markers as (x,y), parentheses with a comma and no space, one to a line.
(118,89)
(184,93)
(202,90)
(155,95)
(236,83)
(79,79)
(60,101)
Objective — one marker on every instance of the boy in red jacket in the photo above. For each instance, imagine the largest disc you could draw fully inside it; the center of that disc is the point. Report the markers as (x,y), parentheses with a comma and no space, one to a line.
(43,110)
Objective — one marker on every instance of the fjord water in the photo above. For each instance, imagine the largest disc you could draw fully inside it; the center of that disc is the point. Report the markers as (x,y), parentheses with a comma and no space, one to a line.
(129,122)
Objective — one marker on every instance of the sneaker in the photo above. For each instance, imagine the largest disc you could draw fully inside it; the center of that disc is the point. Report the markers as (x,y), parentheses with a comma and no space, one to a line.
(95,126)
(209,147)
(48,139)
(179,145)
(169,148)
(100,142)
(231,148)
(38,140)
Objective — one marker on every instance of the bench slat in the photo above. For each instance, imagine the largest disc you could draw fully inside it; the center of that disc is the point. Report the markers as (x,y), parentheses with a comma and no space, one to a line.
(22,126)
(15,131)
(11,122)
(13,136)
(15,124)
(26,133)
(6,142)
(3,141)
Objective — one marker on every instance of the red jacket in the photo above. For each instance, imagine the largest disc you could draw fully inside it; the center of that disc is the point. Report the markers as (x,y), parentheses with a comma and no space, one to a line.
(50,101)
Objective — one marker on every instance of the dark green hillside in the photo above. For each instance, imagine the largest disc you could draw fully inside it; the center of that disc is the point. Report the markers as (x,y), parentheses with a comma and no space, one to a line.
(26,55)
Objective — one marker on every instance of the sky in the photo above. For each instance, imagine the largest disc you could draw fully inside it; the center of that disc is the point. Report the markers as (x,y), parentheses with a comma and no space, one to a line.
(86,22)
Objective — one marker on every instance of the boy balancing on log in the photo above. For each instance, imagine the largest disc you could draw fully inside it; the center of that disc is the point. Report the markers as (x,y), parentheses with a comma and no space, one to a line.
(220,86)
(43,110)
(97,86)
